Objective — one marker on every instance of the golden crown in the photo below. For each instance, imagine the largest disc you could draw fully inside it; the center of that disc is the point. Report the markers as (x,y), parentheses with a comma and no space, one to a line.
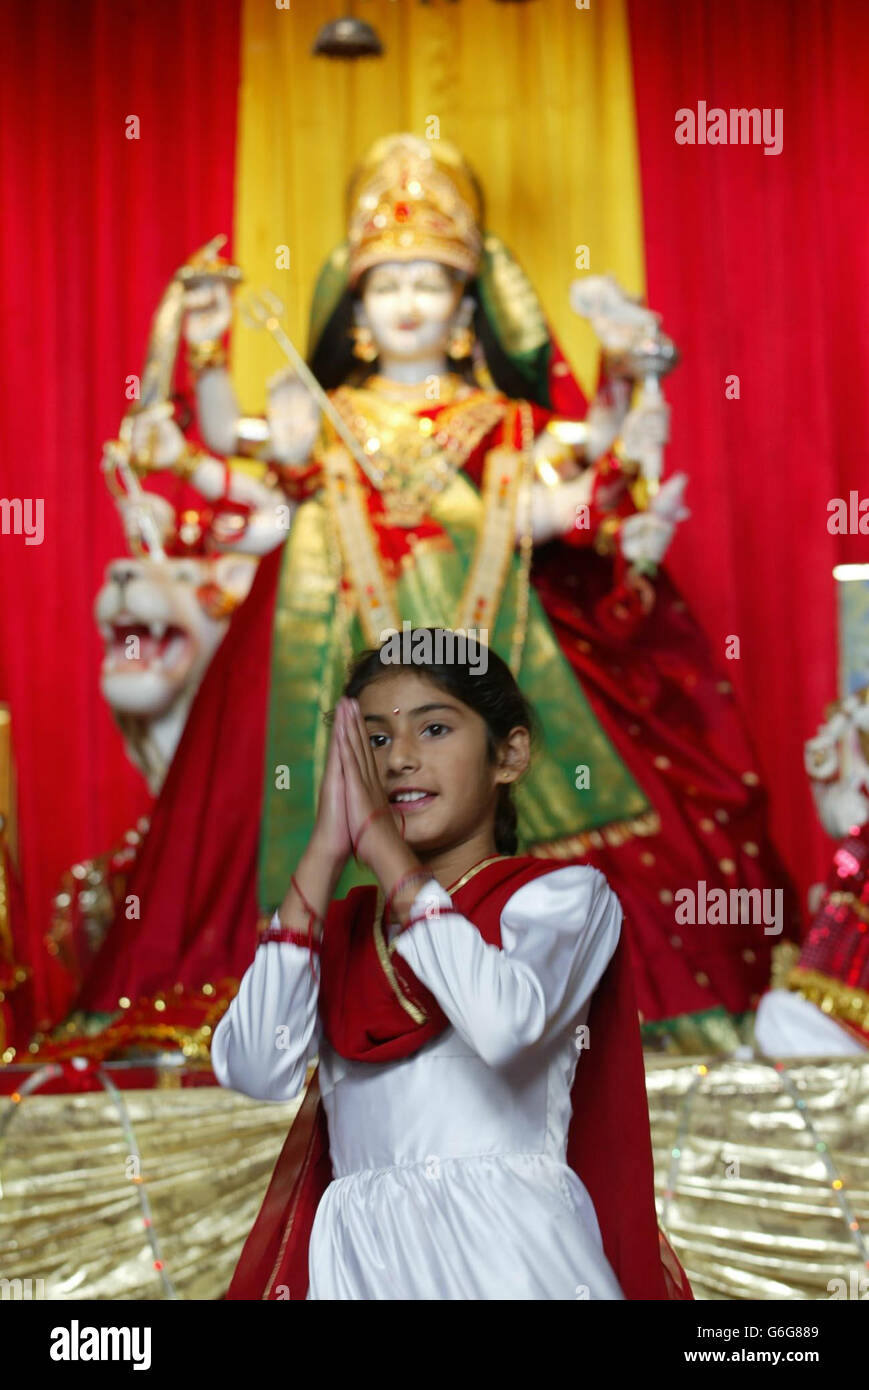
(413,199)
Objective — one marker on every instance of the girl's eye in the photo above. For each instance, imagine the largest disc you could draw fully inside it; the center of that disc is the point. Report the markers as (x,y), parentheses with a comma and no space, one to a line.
(436,726)
(374,737)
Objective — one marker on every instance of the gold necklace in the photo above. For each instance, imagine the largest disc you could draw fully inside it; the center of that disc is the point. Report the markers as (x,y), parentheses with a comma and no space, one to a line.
(416,457)
(419,393)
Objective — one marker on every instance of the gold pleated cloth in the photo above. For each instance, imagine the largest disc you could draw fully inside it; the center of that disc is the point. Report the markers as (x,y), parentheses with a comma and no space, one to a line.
(71,1215)
(754,1212)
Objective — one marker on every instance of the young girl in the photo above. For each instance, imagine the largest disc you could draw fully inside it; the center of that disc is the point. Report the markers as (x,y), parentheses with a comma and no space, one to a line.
(475,1128)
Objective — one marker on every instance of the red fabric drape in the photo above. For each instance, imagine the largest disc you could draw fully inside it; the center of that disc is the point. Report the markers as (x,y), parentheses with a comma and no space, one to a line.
(92,226)
(760,267)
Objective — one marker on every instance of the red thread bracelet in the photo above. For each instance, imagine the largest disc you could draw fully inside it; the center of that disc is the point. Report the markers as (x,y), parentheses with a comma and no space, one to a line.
(313,916)
(295,938)
(424,874)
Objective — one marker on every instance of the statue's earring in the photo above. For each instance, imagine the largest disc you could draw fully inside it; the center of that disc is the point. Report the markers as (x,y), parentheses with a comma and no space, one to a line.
(363,343)
(461,342)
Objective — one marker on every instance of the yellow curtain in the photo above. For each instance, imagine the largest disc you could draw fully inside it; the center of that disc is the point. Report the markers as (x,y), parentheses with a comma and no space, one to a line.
(539,98)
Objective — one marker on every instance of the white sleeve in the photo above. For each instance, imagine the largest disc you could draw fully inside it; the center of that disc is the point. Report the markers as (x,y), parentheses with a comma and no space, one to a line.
(558,932)
(268,1035)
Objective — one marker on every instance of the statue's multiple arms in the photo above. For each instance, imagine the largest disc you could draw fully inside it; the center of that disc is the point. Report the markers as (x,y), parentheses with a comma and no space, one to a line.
(157,443)
(291,425)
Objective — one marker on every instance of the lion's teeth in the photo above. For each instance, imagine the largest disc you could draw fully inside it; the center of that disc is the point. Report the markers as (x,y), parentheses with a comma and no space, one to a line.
(158,629)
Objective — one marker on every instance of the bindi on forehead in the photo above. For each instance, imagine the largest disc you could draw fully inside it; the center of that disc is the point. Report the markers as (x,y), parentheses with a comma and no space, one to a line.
(429,708)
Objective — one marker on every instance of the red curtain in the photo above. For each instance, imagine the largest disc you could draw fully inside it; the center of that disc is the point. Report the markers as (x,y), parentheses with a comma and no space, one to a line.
(760,266)
(93,225)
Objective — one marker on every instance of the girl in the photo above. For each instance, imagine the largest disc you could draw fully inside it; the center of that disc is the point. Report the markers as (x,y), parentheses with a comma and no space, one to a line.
(444,1149)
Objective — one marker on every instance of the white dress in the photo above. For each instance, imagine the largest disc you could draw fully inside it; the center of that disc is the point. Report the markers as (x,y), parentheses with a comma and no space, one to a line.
(450,1179)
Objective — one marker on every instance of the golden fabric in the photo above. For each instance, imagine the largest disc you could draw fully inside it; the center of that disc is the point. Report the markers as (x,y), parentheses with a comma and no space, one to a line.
(71,1216)
(538,98)
(754,1214)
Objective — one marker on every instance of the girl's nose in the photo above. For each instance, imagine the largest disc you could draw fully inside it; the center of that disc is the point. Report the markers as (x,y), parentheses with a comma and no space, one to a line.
(402,754)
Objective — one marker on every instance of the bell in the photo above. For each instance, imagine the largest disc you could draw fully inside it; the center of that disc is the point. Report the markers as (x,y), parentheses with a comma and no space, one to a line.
(347,38)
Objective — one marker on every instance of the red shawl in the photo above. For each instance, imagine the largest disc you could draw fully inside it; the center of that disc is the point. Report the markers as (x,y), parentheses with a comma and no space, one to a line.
(609,1143)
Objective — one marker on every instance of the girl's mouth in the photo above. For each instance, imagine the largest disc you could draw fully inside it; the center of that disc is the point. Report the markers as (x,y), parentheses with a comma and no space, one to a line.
(412,799)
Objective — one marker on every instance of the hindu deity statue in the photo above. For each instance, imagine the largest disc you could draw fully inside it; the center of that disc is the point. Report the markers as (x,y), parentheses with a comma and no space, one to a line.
(437,465)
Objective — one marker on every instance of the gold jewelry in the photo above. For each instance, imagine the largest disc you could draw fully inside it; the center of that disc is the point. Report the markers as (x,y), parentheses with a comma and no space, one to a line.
(605,537)
(420,395)
(417,457)
(185,465)
(363,343)
(461,342)
(252,437)
(188,462)
(209,353)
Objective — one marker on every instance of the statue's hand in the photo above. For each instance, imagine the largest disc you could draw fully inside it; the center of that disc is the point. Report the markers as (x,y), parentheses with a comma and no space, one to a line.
(293,416)
(208,310)
(547,448)
(618,319)
(821,755)
(161,511)
(646,536)
(840,807)
(646,428)
(156,440)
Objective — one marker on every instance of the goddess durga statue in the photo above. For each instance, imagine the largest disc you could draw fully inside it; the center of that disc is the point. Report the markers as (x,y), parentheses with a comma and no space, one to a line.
(447,474)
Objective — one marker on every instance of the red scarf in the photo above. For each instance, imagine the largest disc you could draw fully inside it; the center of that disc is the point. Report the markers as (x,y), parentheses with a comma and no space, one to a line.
(609,1143)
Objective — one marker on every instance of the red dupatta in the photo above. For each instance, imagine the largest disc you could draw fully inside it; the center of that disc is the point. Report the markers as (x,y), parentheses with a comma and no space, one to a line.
(374,1009)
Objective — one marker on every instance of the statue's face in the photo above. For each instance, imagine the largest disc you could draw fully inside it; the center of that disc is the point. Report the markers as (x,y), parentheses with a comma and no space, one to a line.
(409,307)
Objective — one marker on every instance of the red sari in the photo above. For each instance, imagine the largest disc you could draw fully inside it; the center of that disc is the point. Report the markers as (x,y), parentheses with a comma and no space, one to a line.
(609,1144)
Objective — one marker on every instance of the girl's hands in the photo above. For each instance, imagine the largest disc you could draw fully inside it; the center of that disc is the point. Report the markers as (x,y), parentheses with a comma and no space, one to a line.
(331,830)
(363,789)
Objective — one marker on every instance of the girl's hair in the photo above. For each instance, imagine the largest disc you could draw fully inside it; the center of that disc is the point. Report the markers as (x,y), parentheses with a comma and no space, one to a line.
(480,680)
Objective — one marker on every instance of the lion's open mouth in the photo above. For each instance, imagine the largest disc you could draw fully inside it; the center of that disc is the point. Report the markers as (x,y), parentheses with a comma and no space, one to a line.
(139,646)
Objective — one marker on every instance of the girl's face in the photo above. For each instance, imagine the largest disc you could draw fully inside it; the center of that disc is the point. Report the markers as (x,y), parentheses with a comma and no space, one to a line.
(431,756)
(409,307)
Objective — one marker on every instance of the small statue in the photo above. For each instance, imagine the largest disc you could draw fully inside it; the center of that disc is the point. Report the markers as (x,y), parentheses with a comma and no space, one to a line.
(820,1003)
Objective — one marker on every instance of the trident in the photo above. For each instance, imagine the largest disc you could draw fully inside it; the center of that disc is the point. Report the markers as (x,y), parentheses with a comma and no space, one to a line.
(263,309)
